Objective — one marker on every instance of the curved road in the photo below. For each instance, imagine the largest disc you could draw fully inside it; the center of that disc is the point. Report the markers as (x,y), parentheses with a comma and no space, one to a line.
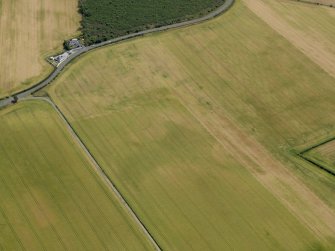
(25,93)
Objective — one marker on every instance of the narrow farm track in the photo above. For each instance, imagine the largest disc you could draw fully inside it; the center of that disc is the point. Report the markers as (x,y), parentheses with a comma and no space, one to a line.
(25,93)
(101,173)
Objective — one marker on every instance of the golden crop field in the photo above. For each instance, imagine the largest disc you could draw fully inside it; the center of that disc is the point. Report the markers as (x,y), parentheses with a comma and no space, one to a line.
(198,128)
(29,32)
(51,199)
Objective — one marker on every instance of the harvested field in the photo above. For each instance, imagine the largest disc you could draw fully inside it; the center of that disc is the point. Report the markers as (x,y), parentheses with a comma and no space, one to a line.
(31,30)
(51,199)
(196,126)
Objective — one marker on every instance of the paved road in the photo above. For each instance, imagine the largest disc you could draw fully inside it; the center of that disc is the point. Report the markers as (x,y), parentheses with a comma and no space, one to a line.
(25,93)
(100,172)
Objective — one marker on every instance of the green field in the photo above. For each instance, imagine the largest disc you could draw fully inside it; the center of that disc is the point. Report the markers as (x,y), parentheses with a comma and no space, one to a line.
(306,111)
(51,199)
(309,27)
(197,127)
(105,19)
(323,155)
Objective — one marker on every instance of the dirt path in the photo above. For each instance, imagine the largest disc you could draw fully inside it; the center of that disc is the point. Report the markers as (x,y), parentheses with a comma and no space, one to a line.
(311,47)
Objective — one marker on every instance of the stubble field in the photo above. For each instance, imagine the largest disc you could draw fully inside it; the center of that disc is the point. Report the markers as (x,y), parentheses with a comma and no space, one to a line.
(29,32)
(197,127)
(51,199)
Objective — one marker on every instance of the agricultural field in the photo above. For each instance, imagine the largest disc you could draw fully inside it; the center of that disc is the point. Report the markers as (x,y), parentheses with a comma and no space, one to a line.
(198,127)
(105,19)
(323,155)
(29,32)
(308,27)
(51,199)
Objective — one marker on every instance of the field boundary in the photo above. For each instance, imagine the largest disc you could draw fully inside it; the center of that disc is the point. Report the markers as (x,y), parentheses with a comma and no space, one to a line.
(314,3)
(302,154)
(5,101)
(100,171)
